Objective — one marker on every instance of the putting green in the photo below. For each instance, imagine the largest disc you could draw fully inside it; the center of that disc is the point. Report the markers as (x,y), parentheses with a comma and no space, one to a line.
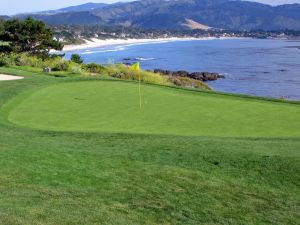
(113,106)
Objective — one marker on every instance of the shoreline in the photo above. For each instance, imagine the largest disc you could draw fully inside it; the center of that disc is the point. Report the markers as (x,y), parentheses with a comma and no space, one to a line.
(97,43)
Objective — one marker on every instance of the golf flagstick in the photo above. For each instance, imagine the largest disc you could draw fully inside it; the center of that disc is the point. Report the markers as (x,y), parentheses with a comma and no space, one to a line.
(140,92)
(136,67)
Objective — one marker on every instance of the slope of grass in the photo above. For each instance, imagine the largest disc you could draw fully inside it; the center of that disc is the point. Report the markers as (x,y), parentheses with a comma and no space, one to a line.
(60,177)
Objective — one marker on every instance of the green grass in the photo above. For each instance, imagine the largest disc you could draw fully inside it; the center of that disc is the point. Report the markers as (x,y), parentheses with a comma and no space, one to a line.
(110,106)
(114,175)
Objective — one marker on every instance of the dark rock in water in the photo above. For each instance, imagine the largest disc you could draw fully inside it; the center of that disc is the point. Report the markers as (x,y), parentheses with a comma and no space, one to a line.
(132,60)
(297,47)
(164,72)
(181,73)
(211,76)
(203,76)
(197,76)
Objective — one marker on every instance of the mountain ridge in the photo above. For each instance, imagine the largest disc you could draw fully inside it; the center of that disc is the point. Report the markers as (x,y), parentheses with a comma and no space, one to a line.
(78,8)
(173,14)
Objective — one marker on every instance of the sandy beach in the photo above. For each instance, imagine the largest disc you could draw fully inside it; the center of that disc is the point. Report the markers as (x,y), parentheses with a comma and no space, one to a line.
(96,43)
(4,77)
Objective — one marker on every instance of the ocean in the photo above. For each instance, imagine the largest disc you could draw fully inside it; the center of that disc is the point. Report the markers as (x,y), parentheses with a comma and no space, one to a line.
(269,68)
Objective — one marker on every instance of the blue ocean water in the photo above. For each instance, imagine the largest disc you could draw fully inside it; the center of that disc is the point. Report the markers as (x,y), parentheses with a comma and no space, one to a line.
(252,66)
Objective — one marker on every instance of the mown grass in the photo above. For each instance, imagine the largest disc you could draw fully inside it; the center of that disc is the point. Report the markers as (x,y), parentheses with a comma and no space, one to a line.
(113,106)
(58,177)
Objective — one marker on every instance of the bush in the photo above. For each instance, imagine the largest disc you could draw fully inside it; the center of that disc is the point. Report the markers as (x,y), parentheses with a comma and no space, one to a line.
(5,48)
(28,60)
(75,68)
(3,61)
(94,68)
(61,66)
(76,59)
(122,71)
(53,62)
(8,59)
(56,63)
(188,82)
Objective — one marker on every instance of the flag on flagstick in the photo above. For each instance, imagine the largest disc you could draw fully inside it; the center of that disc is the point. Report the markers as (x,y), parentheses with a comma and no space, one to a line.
(136,67)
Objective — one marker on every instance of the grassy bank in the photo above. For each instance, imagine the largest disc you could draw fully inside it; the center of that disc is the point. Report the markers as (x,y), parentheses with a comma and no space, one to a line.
(243,169)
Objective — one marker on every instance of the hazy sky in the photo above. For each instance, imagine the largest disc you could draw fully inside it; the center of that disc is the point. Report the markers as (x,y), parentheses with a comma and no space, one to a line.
(9,7)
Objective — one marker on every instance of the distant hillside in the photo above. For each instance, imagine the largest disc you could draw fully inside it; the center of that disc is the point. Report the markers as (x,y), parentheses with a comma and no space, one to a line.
(68,18)
(4,17)
(79,8)
(183,14)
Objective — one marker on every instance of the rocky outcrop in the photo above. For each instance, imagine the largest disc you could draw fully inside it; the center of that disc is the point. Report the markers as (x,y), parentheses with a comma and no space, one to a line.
(203,76)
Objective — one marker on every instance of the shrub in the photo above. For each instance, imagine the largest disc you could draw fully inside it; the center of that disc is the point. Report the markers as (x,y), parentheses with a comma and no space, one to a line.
(154,78)
(8,59)
(94,68)
(5,48)
(61,66)
(3,61)
(28,60)
(53,62)
(75,68)
(188,82)
(122,71)
(76,59)
(54,56)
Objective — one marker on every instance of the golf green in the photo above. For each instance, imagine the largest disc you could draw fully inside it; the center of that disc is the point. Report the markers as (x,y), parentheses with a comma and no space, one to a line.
(113,106)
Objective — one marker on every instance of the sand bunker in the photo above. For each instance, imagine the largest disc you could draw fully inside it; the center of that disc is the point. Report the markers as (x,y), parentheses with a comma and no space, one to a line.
(9,77)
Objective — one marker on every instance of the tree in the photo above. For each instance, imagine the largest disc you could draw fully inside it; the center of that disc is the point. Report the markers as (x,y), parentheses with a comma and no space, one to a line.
(31,36)
(76,58)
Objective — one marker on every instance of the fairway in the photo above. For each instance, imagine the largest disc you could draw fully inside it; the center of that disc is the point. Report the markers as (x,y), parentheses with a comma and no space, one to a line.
(113,106)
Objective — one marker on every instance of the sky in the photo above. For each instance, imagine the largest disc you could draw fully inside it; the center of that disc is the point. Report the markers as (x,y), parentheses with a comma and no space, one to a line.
(10,7)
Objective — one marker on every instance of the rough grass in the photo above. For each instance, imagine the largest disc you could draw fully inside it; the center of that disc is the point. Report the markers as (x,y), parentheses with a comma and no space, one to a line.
(51,177)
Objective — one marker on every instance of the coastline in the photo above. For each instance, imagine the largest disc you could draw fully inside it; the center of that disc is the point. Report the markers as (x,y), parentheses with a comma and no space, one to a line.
(97,43)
